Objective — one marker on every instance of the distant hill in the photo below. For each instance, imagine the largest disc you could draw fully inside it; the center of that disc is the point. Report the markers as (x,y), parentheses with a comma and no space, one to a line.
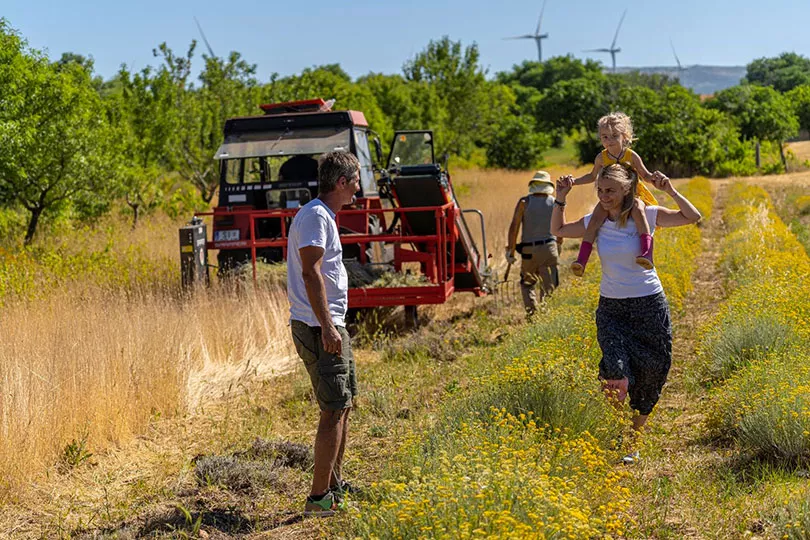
(701,79)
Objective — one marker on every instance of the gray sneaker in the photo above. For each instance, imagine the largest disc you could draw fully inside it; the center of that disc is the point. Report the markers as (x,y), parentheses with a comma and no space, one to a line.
(323,507)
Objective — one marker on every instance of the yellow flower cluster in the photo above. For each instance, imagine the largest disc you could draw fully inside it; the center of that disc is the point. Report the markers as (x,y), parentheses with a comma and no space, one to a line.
(761,334)
(525,451)
(506,476)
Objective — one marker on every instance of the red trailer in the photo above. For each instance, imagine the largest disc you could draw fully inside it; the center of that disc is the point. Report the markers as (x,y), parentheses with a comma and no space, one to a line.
(405,216)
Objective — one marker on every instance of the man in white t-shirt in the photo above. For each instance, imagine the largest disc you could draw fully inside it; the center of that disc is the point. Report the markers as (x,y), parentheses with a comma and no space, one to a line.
(317,287)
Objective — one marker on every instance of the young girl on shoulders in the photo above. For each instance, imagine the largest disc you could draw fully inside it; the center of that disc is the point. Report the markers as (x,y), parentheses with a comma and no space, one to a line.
(616,134)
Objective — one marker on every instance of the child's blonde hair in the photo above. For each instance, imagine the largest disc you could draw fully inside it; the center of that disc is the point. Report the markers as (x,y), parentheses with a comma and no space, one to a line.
(619,122)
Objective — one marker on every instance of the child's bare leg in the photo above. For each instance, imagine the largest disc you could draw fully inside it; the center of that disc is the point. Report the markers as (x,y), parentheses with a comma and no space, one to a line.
(645,258)
(598,217)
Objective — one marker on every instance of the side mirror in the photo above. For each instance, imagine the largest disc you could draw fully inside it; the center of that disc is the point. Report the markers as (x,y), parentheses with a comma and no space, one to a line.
(378,149)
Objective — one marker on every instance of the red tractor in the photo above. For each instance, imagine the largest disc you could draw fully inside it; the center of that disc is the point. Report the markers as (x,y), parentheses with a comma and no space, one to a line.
(405,217)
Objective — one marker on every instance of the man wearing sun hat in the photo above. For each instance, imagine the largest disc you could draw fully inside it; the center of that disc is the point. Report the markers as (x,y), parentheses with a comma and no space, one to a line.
(538,247)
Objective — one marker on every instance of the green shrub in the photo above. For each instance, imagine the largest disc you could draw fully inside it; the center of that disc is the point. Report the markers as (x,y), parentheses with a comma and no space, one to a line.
(766,408)
(735,344)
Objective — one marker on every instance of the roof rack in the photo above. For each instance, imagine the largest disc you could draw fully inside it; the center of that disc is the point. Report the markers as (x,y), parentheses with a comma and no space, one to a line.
(302,106)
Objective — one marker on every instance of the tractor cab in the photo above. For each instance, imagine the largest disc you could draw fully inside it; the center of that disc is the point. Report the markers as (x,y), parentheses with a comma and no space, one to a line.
(270,162)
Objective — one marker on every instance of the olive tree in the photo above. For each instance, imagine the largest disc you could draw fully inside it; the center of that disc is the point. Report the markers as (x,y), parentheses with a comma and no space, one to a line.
(54,135)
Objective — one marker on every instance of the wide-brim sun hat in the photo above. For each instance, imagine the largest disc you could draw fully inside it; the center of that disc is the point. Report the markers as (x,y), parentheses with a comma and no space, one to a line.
(541,183)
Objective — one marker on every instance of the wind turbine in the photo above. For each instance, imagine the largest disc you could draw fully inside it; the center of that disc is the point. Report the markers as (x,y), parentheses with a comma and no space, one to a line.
(537,36)
(207,45)
(681,69)
(613,49)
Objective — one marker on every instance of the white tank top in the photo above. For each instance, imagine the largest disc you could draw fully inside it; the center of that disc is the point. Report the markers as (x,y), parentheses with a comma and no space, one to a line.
(618,249)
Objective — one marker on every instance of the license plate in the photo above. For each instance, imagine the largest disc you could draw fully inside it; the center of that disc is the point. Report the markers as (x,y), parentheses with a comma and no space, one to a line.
(226,236)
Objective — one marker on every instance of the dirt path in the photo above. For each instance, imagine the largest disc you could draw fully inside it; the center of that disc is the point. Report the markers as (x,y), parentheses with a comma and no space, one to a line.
(675,452)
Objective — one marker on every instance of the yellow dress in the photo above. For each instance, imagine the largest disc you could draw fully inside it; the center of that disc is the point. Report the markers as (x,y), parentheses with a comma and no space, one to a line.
(627,159)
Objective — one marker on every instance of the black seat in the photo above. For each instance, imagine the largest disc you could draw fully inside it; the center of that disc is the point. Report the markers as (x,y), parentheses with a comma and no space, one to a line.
(299,168)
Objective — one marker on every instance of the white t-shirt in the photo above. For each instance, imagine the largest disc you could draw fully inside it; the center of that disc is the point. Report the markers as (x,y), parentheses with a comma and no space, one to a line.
(314,225)
(618,249)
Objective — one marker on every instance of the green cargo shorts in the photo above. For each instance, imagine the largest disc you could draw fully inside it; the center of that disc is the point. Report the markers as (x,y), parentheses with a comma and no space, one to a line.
(333,375)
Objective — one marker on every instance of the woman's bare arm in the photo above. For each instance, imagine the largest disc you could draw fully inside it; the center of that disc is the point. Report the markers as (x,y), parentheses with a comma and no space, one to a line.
(686,214)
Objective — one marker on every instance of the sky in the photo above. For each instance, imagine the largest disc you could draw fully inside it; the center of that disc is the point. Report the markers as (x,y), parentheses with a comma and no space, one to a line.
(379,36)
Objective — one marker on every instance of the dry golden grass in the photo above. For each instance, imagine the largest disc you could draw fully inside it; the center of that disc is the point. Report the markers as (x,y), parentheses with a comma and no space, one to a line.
(801,149)
(92,370)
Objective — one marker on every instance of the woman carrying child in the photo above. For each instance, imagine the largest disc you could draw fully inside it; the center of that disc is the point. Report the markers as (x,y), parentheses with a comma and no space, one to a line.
(632,319)
(616,134)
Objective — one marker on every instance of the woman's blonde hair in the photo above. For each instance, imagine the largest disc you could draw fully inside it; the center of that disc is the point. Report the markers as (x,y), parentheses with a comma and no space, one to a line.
(628,179)
(619,122)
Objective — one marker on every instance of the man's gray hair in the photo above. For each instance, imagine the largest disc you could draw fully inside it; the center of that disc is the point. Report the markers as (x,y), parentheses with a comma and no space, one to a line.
(332,166)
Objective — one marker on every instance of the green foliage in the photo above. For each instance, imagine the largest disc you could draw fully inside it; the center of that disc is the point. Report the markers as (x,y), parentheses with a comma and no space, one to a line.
(739,342)
(572,104)
(783,73)
(74,143)
(800,98)
(470,104)
(793,521)
(331,82)
(516,145)
(653,81)
(764,406)
(803,205)
(677,135)
(75,453)
(761,112)
(226,90)
(543,75)
(56,143)
(145,118)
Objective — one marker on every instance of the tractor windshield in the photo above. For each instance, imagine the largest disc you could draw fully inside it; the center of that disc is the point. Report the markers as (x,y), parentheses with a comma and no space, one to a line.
(411,148)
(290,142)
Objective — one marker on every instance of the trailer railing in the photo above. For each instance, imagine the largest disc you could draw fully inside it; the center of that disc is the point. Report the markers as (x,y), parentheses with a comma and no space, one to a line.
(434,252)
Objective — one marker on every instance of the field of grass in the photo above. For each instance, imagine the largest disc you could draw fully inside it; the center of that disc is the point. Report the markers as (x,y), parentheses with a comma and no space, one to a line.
(98,341)
(530,448)
(128,410)
(730,457)
(792,203)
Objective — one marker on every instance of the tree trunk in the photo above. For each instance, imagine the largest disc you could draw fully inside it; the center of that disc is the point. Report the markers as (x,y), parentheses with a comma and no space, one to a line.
(135,213)
(32,225)
(782,155)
